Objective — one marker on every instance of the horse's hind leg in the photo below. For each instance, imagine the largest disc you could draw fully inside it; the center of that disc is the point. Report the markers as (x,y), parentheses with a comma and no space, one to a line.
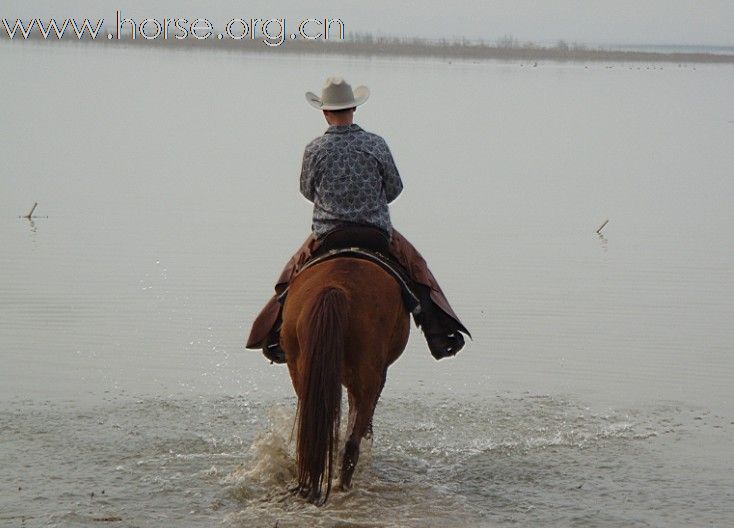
(348,459)
(351,448)
(361,410)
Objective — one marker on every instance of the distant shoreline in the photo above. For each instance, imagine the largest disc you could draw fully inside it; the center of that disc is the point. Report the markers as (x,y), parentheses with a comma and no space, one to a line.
(368,46)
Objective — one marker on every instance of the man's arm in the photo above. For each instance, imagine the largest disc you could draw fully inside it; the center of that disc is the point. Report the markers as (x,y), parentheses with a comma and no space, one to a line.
(391,177)
(308,175)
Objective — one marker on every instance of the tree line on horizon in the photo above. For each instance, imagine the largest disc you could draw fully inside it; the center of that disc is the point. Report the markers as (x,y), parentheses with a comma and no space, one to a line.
(503,42)
(505,47)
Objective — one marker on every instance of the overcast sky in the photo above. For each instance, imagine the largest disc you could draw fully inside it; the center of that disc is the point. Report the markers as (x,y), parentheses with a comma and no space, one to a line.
(589,21)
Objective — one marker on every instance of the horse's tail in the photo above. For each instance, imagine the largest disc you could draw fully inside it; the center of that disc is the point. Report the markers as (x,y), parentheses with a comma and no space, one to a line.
(319,409)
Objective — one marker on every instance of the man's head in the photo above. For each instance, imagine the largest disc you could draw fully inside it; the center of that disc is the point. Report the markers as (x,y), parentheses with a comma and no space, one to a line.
(338,101)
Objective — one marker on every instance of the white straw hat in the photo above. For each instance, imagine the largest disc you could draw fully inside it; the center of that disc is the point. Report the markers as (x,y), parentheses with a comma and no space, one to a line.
(337,94)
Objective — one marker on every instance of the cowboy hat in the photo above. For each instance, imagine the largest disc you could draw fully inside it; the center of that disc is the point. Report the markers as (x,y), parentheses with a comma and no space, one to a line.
(337,94)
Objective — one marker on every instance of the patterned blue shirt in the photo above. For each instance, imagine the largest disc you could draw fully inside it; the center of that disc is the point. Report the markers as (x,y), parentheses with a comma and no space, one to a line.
(350,176)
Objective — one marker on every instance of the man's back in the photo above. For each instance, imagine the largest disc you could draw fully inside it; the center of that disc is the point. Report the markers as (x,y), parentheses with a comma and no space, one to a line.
(350,176)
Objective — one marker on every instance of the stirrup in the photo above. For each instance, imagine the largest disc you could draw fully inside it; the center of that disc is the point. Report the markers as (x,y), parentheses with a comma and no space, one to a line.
(274,353)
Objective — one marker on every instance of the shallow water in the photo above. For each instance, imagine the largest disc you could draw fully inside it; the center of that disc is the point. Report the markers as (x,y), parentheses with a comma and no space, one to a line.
(596,391)
(501,459)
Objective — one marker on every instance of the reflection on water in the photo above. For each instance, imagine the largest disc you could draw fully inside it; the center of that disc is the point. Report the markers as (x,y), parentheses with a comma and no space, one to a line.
(170,204)
(32,225)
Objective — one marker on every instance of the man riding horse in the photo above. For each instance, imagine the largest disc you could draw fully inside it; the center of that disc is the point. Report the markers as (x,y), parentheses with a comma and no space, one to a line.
(350,176)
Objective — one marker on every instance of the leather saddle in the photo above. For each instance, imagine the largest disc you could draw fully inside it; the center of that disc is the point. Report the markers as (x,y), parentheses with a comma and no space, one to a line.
(410,299)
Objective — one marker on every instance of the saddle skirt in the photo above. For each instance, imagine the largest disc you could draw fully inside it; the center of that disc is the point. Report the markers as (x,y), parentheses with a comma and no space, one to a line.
(410,299)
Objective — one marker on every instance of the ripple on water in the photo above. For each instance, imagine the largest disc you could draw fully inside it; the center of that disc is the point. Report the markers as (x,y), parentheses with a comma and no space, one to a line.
(501,460)
(449,464)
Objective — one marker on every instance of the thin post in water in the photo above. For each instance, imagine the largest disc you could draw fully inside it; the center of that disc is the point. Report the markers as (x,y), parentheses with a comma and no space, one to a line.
(30,215)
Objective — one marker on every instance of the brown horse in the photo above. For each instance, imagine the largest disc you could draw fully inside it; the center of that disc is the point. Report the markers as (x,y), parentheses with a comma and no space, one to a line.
(344,323)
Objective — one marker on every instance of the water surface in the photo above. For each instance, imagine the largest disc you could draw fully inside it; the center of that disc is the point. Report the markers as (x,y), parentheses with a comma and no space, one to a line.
(597,389)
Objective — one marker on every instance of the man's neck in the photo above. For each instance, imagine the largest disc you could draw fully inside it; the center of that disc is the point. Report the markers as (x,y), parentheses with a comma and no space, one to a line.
(341,121)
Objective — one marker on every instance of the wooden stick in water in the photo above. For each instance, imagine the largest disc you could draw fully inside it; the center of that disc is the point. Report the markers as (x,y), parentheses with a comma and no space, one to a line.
(598,231)
(30,215)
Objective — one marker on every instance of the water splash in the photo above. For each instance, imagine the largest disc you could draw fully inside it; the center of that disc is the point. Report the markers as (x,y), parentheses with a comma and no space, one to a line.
(271,465)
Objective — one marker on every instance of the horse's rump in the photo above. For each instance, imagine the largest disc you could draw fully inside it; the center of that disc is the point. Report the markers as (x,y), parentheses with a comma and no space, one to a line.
(344,322)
